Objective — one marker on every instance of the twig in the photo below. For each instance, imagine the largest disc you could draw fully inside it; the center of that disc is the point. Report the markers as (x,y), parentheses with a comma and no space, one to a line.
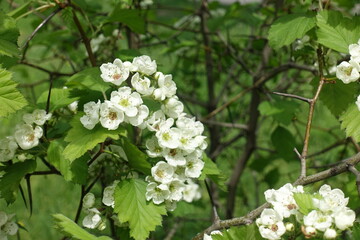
(82,194)
(357,174)
(250,217)
(225,124)
(44,70)
(293,96)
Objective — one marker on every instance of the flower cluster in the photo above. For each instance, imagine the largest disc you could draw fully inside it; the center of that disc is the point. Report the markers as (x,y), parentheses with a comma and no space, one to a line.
(7,225)
(93,219)
(26,136)
(175,141)
(349,71)
(326,215)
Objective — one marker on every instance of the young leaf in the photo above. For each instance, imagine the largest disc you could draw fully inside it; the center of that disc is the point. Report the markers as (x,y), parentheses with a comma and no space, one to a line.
(136,158)
(81,139)
(305,202)
(248,232)
(211,171)
(11,99)
(129,17)
(59,98)
(10,181)
(331,93)
(88,79)
(132,207)
(350,122)
(337,32)
(70,228)
(288,28)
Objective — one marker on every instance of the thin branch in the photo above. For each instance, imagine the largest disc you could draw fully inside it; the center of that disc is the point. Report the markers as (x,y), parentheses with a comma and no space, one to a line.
(226,125)
(251,216)
(357,174)
(332,146)
(78,212)
(45,70)
(293,96)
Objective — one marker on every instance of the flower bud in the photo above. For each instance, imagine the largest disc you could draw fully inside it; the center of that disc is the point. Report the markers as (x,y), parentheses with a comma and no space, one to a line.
(289,227)
(330,234)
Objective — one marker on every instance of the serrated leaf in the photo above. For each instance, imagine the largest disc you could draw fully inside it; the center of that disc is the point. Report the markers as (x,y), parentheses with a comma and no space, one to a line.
(280,109)
(350,122)
(337,32)
(11,99)
(20,10)
(210,168)
(288,28)
(81,139)
(10,181)
(59,98)
(132,207)
(70,228)
(8,48)
(248,232)
(283,142)
(76,171)
(304,202)
(331,93)
(136,158)
(8,29)
(88,79)
(129,17)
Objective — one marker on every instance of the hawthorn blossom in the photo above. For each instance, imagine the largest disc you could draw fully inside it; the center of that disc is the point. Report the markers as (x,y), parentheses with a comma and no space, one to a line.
(110,116)
(344,219)
(142,85)
(7,226)
(172,107)
(155,120)
(158,193)
(333,199)
(318,220)
(8,148)
(270,224)
(88,200)
(176,188)
(38,116)
(330,233)
(138,120)
(126,101)
(175,157)
(153,148)
(93,219)
(191,191)
(354,49)
(116,72)
(193,167)
(91,117)
(73,106)
(347,73)
(162,172)
(167,87)
(189,125)
(108,195)
(27,137)
(144,64)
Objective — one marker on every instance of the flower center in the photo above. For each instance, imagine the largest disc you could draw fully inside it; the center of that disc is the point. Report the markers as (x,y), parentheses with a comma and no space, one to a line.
(116,76)
(30,137)
(348,71)
(124,102)
(160,173)
(291,206)
(166,136)
(274,227)
(112,115)
(173,152)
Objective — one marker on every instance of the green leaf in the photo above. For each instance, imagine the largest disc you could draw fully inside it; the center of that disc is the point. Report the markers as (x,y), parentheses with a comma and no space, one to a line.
(81,139)
(76,171)
(10,181)
(305,202)
(280,109)
(8,48)
(11,99)
(136,158)
(70,228)
(8,29)
(248,232)
(59,98)
(129,17)
(350,122)
(132,207)
(88,79)
(337,32)
(284,142)
(210,168)
(16,13)
(332,93)
(288,28)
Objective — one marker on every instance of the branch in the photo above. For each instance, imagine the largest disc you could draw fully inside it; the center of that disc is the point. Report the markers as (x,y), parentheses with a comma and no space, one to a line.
(357,174)
(250,217)
(293,96)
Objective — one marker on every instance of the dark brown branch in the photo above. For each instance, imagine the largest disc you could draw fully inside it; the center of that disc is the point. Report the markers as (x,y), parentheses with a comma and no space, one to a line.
(293,96)
(45,70)
(357,175)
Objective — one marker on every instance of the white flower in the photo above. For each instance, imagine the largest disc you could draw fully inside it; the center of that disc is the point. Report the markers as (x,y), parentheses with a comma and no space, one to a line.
(167,87)
(10,228)
(176,189)
(190,125)
(289,227)
(354,49)
(155,120)
(93,219)
(175,157)
(116,72)
(39,117)
(358,102)
(309,232)
(170,205)
(215,232)
(162,172)
(8,148)
(270,224)
(108,195)
(96,42)
(138,120)
(126,101)
(158,193)
(168,137)
(110,116)
(172,107)
(146,3)
(355,62)
(191,192)
(330,233)
(88,200)
(333,200)
(347,72)
(28,137)
(318,220)
(91,117)
(3,218)
(144,64)
(193,166)
(153,148)
(73,106)
(344,219)
(142,85)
